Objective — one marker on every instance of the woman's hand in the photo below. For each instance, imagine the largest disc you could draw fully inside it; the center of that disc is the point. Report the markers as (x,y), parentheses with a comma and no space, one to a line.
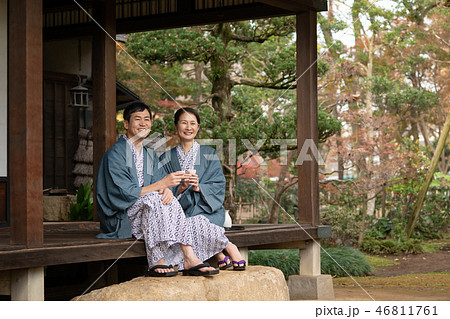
(193,181)
(172,179)
(184,182)
(167,196)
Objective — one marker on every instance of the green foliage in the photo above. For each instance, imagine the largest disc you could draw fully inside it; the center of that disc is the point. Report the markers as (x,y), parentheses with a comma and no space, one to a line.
(288,261)
(338,259)
(398,97)
(433,219)
(345,225)
(380,228)
(328,125)
(83,208)
(391,246)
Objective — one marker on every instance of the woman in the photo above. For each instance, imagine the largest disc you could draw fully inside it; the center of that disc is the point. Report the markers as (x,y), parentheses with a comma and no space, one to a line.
(134,199)
(202,192)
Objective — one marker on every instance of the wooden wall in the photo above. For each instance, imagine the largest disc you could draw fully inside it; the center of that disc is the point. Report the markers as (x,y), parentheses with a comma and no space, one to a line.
(3,200)
(61,123)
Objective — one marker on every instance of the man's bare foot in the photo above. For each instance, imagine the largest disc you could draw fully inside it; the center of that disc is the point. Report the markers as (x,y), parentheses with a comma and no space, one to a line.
(162,270)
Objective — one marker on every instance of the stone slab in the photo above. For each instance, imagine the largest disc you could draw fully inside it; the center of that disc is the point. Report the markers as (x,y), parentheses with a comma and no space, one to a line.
(257,283)
(311,287)
(57,208)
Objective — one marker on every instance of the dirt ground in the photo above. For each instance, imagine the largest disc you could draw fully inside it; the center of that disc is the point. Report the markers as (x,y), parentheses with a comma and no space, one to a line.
(396,282)
(416,264)
(391,294)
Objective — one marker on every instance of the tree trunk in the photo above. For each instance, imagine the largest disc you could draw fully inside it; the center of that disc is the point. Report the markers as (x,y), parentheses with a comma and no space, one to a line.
(198,68)
(423,191)
(221,83)
(369,101)
(363,222)
(383,202)
(275,208)
(230,203)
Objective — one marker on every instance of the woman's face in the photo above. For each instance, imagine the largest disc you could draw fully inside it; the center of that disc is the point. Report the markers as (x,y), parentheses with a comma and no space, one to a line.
(187,127)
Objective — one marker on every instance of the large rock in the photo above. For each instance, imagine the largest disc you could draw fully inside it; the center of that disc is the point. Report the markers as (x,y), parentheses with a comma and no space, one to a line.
(256,283)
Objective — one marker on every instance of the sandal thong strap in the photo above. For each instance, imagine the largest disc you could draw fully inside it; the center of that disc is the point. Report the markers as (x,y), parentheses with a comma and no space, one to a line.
(224,261)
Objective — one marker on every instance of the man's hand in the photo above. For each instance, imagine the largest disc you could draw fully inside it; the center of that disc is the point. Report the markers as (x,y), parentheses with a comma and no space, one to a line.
(172,179)
(167,196)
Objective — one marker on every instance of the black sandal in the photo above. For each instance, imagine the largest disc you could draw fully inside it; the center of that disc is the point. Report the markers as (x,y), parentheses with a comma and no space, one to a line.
(194,271)
(239,265)
(152,273)
(224,264)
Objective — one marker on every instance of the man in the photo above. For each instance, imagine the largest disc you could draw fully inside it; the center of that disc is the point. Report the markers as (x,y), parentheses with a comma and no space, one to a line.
(133,198)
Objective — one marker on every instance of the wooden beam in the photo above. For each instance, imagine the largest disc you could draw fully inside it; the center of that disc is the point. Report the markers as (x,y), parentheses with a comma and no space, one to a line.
(183,18)
(25,122)
(62,255)
(307,117)
(199,17)
(104,81)
(298,5)
(67,243)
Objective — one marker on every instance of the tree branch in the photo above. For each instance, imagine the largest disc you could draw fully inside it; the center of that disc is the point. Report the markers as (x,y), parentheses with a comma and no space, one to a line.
(270,85)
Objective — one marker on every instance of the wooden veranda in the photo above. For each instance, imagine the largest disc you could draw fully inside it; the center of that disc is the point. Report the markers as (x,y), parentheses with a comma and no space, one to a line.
(27,245)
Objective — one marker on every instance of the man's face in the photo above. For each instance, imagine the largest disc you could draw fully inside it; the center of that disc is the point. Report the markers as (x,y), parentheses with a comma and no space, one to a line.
(139,124)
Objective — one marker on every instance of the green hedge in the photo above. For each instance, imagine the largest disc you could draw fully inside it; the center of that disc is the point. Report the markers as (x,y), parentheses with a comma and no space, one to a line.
(391,246)
(287,260)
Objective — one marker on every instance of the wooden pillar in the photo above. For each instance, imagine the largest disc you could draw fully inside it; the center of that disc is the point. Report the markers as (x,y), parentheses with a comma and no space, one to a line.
(307,117)
(25,122)
(310,259)
(104,81)
(27,284)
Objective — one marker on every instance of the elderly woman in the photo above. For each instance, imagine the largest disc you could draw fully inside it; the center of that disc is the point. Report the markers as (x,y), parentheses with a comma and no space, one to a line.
(134,199)
(202,191)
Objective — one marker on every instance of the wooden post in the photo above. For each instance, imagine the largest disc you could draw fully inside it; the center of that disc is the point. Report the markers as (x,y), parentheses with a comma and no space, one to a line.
(310,259)
(27,284)
(104,81)
(307,117)
(244,253)
(25,122)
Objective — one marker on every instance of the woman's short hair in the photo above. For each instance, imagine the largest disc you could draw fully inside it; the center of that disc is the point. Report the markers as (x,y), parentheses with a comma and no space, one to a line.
(136,106)
(182,110)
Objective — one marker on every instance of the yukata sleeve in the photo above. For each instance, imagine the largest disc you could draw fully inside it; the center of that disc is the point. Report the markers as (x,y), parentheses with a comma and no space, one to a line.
(122,189)
(159,171)
(212,185)
(165,167)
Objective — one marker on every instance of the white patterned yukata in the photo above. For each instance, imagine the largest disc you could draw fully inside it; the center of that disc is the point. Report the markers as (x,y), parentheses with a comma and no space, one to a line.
(164,227)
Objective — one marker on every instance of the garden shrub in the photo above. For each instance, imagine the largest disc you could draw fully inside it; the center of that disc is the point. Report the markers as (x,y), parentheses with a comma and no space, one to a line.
(391,246)
(351,260)
(345,225)
(287,260)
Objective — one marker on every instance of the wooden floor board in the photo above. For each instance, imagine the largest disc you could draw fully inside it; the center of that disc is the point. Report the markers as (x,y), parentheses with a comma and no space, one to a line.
(75,242)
